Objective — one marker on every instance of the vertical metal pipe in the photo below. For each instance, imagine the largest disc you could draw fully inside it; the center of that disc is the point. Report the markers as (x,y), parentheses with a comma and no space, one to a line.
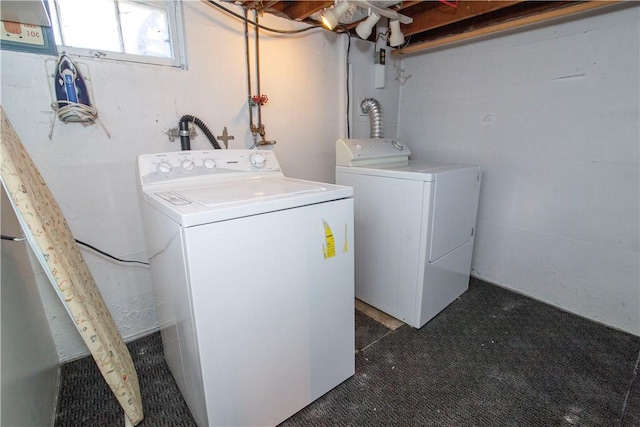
(246,46)
(255,17)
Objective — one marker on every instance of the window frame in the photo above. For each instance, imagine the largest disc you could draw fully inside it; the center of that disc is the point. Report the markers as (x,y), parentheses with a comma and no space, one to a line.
(175,19)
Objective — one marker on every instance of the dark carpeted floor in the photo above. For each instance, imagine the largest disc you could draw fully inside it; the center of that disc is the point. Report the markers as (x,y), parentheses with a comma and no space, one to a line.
(492,358)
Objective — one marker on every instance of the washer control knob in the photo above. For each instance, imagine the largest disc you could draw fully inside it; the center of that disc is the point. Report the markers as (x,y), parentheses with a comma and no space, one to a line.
(164,167)
(258,160)
(397,145)
(188,165)
(209,163)
(358,147)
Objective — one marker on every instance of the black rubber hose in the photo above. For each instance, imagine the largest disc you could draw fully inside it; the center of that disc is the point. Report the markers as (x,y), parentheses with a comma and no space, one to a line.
(188,118)
(185,142)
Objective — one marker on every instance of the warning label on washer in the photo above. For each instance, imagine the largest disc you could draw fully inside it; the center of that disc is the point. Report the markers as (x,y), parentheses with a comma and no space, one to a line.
(329,245)
(345,248)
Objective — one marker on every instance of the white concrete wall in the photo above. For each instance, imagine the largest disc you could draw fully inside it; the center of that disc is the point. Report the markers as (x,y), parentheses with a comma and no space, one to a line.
(508,103)
(29,373)
(93,177)
(361,57)
(552,116)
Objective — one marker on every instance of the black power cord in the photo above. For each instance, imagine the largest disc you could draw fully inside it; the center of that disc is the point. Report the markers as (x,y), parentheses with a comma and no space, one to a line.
(19,239)
(15,239)
(109,255)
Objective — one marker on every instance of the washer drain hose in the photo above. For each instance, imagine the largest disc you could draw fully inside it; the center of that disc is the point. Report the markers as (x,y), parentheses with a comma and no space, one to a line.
(184,120)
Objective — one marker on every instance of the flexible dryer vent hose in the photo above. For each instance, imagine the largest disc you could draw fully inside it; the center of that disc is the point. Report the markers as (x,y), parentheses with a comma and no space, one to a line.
(372,107)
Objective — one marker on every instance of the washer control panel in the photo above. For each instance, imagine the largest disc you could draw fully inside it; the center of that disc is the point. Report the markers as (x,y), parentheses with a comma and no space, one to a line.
(179,165)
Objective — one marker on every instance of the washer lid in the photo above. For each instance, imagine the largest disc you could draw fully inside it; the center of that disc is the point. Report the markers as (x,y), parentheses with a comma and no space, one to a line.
(199,204)
(247,192)
(419,171)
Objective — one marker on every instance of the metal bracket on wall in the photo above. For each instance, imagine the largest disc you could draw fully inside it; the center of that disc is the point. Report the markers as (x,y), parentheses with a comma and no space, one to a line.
(225,137)
(174,133)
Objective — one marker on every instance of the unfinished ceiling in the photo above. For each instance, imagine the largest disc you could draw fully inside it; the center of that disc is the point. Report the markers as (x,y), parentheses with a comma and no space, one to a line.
(439,22)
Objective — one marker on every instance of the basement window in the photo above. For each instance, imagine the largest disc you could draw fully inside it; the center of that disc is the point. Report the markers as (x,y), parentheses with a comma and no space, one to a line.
(150,32)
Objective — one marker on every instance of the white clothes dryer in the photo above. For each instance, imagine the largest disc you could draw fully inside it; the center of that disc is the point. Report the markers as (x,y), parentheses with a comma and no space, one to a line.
(253,274)
(415,227)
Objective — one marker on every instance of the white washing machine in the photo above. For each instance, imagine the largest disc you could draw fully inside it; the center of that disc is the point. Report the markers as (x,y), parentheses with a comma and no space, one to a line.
(254,282)
(415,226)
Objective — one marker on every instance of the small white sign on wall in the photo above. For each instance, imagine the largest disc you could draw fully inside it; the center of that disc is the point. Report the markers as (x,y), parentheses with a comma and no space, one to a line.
(22,33)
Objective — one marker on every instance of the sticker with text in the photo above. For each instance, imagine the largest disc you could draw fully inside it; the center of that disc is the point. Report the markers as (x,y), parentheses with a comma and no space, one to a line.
(329,245)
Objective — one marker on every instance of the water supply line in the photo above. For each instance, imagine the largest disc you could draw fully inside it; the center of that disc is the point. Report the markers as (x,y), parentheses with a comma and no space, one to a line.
(257,52)
(258,100)
(372,107)
(248,65)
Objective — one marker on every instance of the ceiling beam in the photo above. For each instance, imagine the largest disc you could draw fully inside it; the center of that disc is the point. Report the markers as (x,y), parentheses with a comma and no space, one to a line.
(571,9)
(300,10)
(426,16)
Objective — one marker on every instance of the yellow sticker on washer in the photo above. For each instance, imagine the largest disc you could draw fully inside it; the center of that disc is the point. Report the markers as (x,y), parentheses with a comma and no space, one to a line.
(329,246)
(345,248)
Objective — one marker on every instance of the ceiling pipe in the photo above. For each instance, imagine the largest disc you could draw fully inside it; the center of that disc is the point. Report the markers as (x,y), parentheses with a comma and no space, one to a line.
(391,14)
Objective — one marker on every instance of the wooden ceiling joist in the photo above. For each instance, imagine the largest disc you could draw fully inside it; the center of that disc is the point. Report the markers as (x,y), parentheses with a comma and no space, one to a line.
(441,14)
(436,23)
(569,9)
(301,10)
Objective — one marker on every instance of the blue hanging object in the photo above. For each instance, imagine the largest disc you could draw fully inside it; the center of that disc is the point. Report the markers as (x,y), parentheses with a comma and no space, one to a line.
(72,103)
(72,97)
